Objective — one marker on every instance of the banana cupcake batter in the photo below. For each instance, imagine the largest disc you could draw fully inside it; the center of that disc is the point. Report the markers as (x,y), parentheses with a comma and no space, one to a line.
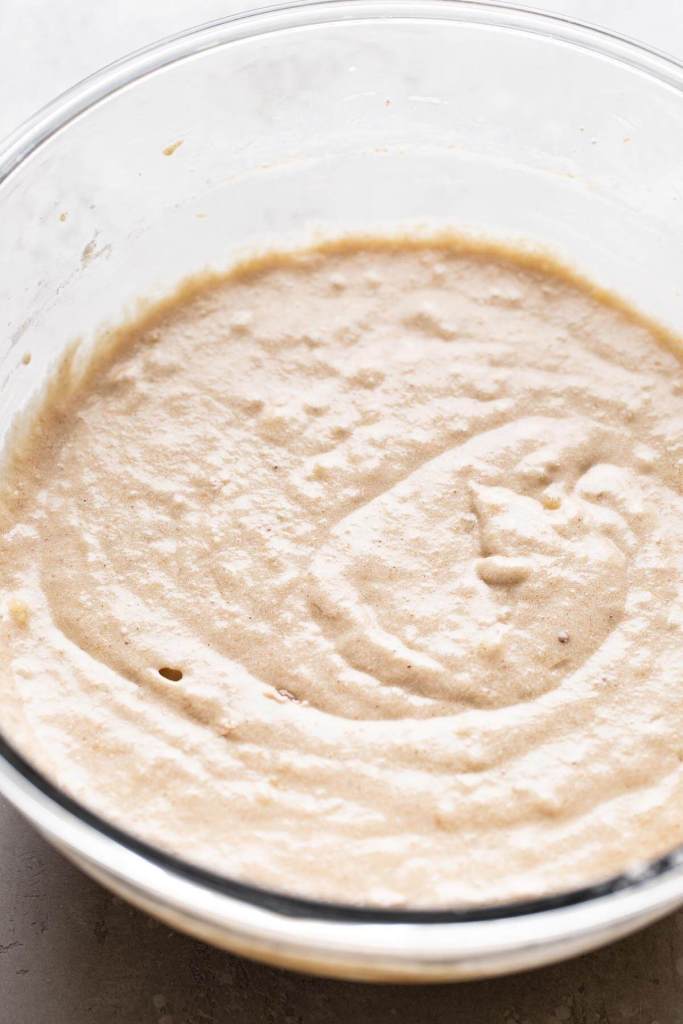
(358,573)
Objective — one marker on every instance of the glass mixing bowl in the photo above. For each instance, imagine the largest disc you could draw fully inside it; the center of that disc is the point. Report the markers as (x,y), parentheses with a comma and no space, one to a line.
(278,127)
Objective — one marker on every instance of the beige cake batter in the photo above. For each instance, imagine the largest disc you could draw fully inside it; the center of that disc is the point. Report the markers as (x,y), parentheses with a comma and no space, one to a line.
(359,573)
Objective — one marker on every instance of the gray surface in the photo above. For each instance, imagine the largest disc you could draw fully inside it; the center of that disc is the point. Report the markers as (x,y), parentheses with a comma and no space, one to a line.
(72,954)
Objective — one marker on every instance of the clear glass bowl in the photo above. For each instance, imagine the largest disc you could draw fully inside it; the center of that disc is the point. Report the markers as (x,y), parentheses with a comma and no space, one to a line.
(320,119)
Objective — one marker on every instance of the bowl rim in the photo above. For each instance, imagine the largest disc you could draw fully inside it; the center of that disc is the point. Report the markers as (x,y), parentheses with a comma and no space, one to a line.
(88,93)
(16,147)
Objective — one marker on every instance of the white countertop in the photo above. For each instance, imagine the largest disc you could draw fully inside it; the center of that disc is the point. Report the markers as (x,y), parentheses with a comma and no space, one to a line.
(70,953)
(47,45)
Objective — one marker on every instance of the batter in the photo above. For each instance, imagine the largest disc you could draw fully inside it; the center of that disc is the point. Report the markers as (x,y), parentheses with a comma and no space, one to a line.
(358,573)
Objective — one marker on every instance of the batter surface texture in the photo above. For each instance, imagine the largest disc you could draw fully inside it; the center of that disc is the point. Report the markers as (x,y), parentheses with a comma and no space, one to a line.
(358,573)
